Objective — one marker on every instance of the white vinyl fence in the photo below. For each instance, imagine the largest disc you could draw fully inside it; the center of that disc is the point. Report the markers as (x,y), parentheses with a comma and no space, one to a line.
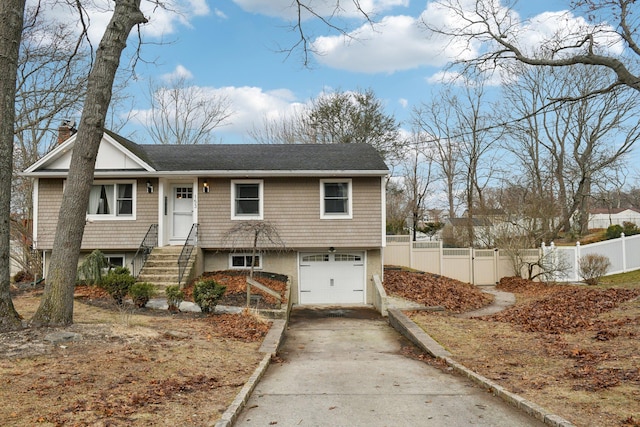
(488,266)
(623,253)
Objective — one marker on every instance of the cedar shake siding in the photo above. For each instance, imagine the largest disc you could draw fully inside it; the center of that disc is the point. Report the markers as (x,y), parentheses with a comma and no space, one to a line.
(118,234)
(293,206)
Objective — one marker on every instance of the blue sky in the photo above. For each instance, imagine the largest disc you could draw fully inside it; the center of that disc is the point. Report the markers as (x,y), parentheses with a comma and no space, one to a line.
(230,48)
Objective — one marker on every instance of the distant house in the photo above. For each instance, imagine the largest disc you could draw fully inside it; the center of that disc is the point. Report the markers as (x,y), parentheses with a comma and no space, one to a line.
(326,201)
(603,218)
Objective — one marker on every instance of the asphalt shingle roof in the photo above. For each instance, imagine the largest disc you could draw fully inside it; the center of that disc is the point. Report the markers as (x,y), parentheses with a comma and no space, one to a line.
(267,157)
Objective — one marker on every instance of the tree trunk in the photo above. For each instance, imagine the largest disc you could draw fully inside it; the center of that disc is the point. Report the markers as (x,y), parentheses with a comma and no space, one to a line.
(11,19)
(56,306)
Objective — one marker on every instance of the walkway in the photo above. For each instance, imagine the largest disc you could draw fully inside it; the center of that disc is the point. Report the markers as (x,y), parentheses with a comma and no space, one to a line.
(344,367)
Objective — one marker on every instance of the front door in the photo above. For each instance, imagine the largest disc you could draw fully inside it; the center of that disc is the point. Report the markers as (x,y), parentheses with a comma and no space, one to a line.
(182,208)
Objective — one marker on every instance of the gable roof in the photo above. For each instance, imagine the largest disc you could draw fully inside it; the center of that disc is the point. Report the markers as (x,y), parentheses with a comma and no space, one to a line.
(265,157)
(228,159)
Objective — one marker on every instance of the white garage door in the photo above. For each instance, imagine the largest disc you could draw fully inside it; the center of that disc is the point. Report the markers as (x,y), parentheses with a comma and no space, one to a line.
(334,278)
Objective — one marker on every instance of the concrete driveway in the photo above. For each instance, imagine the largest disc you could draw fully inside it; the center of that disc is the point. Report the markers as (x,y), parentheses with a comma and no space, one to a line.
(344,367)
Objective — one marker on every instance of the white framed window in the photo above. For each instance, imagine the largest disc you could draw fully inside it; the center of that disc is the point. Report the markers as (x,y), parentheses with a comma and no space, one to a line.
(247,199)
(243,261)
(112,200)
(335,199)
(115,260)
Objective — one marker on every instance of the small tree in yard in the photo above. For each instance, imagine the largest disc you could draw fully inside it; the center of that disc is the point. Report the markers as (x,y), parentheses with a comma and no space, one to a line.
(141,293)
(207,293)
(117,283)
(255,235)
(174,297)
(592,267)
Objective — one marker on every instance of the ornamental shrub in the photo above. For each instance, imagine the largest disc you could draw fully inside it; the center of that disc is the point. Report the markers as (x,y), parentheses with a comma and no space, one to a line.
(207,293)
(614,231)
(141,293)
(174,297)
(592,267)
(117,283)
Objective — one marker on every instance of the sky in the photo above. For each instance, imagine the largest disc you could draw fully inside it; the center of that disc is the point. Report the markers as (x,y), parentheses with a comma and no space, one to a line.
(234,49)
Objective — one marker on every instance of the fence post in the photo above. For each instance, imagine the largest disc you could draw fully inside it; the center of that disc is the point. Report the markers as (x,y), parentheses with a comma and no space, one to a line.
(441,259)
(624,252)
(554,257)
(471,266)
(576,264)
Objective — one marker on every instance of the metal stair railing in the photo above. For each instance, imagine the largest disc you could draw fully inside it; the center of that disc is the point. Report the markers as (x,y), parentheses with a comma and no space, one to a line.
(149,242)
(190,243)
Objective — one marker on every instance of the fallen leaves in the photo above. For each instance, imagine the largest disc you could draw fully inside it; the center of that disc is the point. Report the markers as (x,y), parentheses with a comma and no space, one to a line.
(562,308)
(434,290)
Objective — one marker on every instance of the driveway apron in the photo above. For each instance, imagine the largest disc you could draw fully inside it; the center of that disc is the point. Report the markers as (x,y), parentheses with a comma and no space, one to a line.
(345,367)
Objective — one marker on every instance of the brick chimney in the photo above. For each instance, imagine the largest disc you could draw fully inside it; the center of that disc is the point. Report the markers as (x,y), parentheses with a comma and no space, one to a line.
(66,129)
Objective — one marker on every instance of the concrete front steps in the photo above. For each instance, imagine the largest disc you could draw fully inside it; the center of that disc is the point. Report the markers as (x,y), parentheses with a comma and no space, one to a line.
(161,267)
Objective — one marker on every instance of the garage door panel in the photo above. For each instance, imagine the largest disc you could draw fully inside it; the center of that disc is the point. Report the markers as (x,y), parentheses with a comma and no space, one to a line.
(332,278)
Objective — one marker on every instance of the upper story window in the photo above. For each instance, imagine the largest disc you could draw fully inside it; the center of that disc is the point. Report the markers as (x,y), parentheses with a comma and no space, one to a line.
(335,199)
(247,199)
(111,200)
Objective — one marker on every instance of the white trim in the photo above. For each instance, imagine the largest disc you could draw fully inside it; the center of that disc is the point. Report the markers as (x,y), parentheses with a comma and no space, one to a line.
(383,197)
(115,216)
(35,198)
(241,217)
(67,146)
(349,214)
(216,173)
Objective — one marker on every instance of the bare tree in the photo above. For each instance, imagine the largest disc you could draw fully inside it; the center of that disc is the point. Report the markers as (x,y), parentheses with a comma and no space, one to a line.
(256,236)
(338,118)
(437,120)
(51,80)
(185,114)
(11,20)
(498,29)
(56,306)
(417,178)
(571,145)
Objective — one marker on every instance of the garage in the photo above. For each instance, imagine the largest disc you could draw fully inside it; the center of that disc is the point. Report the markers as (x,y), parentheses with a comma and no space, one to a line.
(332,278)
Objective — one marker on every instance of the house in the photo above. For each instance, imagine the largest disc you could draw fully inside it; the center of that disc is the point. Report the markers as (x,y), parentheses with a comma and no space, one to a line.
(603,218)
(325,201)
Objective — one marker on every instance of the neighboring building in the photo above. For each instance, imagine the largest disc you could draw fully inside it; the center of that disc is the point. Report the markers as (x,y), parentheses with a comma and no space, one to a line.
(326,201)
(603,218)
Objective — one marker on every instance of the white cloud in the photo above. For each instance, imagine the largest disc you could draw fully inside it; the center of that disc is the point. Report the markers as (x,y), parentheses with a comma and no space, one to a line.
(549,29)
(180,73)
(402,42)
(98,14)
(249,105)
(285,8)
(396,43)
(220,14)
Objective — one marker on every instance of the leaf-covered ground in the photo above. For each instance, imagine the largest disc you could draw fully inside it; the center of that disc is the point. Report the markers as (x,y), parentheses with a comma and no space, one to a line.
(573,349)
(236,283)
(125,366)
(434,290)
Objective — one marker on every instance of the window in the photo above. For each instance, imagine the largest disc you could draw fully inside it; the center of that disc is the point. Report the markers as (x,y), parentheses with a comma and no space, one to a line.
(111,200)
(115,260)
(239,261)
(246,199)
(335,199)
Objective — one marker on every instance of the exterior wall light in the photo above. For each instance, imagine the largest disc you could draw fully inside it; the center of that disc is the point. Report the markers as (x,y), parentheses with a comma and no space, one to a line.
(149,187)
(205,186)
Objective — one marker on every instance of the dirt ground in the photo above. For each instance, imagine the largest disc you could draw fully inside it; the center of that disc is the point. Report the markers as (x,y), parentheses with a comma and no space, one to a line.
(572,349)
(125,367)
